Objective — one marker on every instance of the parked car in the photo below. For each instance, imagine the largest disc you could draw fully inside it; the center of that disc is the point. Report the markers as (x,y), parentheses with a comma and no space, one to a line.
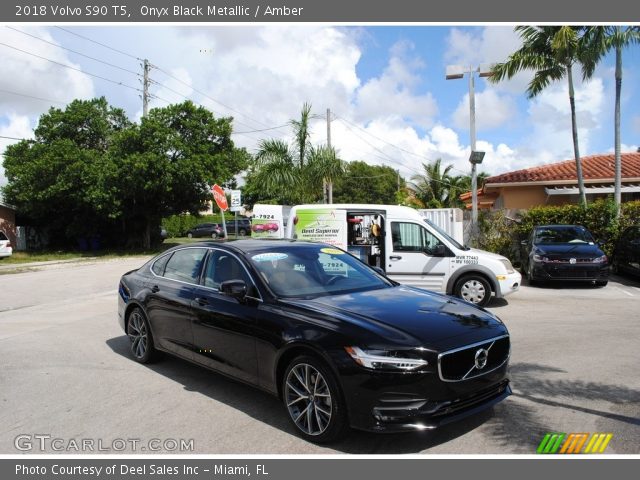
(626,255)
(564,252)
(211,230)
(5,246)
(338,342)
(243,227)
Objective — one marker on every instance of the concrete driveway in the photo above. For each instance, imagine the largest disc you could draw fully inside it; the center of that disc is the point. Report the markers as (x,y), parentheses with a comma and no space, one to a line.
(66,373)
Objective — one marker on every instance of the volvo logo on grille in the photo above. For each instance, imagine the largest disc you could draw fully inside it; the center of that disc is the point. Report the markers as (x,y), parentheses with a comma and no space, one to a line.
(481,358)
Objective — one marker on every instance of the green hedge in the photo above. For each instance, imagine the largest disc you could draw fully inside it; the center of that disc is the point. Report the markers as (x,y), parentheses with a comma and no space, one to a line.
(502,235)
(177,225)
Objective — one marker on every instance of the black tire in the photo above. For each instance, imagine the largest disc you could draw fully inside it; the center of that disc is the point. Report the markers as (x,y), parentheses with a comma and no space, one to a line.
(311,426)
(601,283)
(142,347)
(242,232)
(190,235)
(473,288)
(214,235)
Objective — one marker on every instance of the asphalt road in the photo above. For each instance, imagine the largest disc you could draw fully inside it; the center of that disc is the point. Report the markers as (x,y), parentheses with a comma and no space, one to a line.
(65,372)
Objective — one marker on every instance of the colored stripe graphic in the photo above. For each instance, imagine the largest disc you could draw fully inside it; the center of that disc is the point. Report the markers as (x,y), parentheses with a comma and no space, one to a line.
(563,443)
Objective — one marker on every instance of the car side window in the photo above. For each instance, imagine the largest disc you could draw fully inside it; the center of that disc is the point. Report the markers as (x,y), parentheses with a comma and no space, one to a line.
(184,265)
(411,237)
(222,266)
(160,264)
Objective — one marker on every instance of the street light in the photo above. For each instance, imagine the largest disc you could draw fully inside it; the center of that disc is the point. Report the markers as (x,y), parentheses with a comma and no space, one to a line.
(455,72)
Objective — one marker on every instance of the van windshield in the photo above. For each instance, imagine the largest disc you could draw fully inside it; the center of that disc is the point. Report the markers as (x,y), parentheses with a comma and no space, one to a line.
(444,234)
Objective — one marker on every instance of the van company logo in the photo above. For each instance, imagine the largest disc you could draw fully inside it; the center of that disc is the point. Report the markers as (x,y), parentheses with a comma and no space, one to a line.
(574,443)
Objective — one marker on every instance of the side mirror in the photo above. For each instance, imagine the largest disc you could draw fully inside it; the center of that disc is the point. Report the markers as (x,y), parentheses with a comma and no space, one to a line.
(439,251)
(234,288)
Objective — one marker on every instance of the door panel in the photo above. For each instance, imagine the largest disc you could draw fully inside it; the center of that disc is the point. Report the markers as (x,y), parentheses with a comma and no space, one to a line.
(411,259)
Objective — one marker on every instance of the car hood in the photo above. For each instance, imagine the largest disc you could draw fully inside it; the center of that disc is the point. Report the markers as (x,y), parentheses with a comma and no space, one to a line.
(569,250)
(410,316)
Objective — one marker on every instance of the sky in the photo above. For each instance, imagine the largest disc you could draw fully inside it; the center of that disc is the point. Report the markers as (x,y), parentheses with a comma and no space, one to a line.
(385,87)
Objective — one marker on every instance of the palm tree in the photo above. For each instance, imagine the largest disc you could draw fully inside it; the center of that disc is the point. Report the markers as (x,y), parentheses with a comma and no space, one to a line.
(293,174)
(602,40)
(551,52)
(432,186)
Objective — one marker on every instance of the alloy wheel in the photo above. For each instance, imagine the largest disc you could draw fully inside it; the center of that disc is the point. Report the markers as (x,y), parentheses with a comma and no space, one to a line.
(473,291)
(138,334)
(308,399)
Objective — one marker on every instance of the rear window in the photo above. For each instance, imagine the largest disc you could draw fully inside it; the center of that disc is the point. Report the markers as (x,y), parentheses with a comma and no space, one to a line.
(184,265)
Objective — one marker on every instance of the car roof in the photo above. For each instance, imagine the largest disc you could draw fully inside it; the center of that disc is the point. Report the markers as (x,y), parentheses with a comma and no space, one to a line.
(247,245)
(559,226)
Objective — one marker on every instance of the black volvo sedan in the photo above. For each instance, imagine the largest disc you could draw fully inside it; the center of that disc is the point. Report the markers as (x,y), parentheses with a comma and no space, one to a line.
(564,252)
(338,342)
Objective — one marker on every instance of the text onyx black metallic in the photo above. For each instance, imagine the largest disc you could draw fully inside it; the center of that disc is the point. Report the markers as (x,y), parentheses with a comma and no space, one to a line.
(338,342)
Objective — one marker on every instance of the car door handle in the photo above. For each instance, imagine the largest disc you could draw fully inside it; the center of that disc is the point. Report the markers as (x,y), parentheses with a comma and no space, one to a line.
(201,301)
(155,289)
(395,257)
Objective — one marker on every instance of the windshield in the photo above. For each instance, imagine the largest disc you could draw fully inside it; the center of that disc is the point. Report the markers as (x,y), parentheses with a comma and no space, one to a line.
(569,234)
(444,234)
(314,270)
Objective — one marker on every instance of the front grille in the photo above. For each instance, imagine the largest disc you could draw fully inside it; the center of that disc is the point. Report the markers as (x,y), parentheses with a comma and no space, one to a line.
(571,272)
(469,361)
(471,401)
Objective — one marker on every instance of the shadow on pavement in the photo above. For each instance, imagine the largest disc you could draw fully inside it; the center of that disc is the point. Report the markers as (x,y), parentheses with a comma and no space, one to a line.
(515,425)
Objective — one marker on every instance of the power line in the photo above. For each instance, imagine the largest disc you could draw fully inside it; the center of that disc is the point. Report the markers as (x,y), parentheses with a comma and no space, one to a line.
(13,138)
(101,44)
(31,96)
(72,68)
(392,144)
(74,51)
(261,130)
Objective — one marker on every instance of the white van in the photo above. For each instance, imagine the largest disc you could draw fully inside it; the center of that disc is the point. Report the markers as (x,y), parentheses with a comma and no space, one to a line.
(407,247)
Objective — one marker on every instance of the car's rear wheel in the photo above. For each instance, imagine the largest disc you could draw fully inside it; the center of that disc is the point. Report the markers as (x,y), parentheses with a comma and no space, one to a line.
(190,235)
(313,400)
(242,232)
(214,235)
(474,288)
(142,347)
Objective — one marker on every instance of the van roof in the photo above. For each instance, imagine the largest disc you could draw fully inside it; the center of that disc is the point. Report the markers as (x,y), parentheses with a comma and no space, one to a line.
(393,210)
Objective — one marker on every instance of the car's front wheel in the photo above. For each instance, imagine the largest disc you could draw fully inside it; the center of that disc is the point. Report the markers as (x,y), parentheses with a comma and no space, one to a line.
(474,288)
(142,347)
(313,400)
(190,235)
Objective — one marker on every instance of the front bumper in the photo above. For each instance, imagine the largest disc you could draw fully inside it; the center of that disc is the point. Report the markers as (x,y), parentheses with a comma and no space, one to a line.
(400,402)
(571,272)
(509,283)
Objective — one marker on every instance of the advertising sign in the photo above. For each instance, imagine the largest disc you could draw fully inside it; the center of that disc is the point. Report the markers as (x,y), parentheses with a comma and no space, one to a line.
(322,224)
(267,221)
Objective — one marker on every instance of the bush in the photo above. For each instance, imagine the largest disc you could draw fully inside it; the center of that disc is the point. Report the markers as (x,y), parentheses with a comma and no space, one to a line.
(501,235)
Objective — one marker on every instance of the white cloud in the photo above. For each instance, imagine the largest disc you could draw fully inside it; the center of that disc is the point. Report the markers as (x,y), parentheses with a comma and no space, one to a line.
(394,91)
(16,126)
(28,75)
(492,110)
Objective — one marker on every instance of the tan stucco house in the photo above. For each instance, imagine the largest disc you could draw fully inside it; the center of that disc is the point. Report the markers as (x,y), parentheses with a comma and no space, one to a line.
(557,184)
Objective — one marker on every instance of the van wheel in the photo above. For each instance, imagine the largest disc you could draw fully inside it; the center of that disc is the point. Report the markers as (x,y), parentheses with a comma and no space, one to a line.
(474,289)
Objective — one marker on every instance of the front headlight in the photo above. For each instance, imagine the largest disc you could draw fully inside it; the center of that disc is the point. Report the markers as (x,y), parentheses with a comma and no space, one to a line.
(602,259)
(507,265)
(385,360)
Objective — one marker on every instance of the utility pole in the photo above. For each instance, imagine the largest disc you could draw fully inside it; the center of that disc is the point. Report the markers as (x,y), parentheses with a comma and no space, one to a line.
(145,88)
(326,187)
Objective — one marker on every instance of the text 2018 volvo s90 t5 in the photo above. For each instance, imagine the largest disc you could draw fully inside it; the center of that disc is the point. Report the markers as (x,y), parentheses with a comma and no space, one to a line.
(338,342)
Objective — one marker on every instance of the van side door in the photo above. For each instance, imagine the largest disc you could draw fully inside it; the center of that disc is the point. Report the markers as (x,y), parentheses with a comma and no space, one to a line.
(416,257)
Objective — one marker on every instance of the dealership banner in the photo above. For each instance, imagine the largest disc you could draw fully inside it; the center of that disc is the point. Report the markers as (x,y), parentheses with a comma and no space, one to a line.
(315,469)
(263,11)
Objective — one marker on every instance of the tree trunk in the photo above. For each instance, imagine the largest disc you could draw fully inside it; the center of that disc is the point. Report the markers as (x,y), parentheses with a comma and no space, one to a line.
(618,161)
(330,191)
(574,131)
(147,235)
